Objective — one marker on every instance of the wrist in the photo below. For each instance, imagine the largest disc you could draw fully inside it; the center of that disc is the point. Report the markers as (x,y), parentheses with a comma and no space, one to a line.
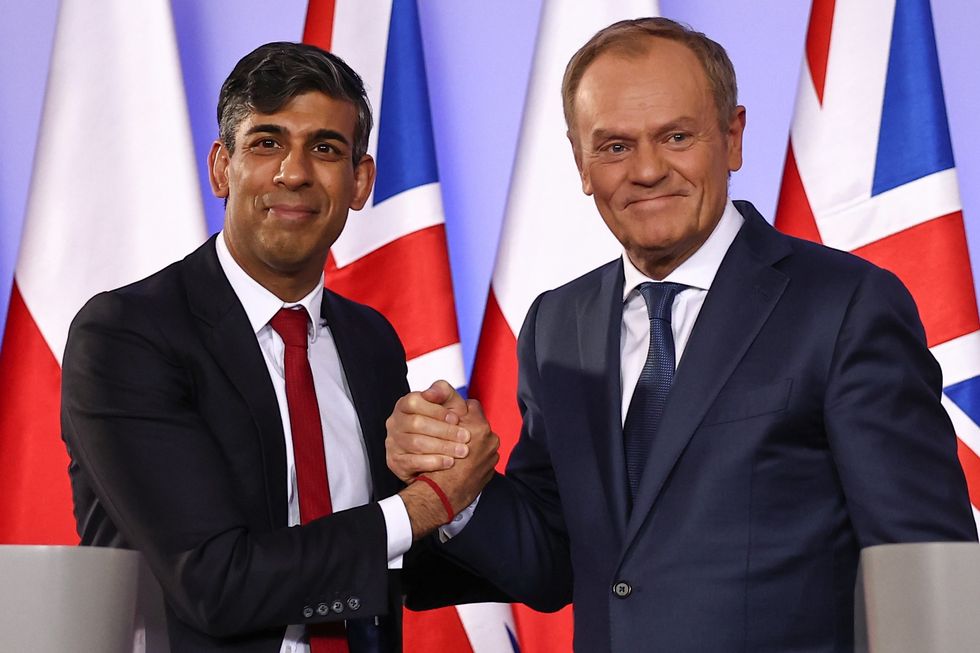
(425,510)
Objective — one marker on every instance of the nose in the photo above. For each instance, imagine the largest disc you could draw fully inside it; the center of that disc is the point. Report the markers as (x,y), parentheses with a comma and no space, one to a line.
(294,170)
(648,165)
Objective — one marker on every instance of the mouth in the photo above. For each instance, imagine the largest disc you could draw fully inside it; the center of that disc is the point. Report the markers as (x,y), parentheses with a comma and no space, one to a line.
(292,211)
(655,200)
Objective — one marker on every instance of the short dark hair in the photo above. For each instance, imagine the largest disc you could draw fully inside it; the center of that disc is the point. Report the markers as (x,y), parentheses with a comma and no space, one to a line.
(267,78)
(630,37)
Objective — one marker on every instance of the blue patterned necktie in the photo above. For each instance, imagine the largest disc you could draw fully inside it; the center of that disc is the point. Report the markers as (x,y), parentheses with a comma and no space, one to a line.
(647,405)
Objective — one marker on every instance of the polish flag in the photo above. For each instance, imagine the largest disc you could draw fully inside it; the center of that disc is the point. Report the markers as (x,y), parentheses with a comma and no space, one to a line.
(392,254)
(114,197)
(552,234)
(870,170)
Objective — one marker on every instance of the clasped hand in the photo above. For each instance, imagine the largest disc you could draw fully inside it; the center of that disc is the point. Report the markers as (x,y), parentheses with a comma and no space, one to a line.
(437,433)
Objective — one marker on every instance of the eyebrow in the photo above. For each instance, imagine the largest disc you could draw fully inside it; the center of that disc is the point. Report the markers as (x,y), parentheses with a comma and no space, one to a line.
(684,122)
(318,135)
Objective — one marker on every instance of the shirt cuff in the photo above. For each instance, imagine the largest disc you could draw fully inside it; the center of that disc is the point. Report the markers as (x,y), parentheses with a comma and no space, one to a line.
(398,528)
(459,522)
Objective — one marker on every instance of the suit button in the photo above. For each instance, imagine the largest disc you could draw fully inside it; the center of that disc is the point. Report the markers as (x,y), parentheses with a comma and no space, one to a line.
(322,609)
(337,606)
(307,612)
(622,589)
(354,603)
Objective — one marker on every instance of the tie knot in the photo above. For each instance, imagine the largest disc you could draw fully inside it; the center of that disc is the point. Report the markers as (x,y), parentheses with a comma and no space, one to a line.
(292,325)
(660,298)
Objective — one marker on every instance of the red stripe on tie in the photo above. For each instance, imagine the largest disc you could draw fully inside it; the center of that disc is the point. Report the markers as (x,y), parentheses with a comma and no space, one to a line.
(793,213)
(319,23)
(35,495)
(818,42)
(494,378)
(409,282)
(931,259)
(971,467)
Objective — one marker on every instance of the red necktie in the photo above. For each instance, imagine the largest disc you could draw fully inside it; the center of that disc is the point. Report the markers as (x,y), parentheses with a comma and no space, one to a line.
(311,463)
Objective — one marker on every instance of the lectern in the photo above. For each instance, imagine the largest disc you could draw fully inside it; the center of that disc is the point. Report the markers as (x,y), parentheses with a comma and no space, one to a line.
(85,599)
(917,598)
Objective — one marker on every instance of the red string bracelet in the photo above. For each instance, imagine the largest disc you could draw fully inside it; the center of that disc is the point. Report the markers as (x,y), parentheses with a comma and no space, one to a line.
(442,495)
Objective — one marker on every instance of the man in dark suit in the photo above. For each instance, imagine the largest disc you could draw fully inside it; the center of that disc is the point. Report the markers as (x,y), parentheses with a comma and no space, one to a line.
(715,424)
(225,416)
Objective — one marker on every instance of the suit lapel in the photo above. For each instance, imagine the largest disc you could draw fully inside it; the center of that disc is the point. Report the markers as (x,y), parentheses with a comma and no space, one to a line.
(226,332)
(742,296)
(600,315)
(360,381)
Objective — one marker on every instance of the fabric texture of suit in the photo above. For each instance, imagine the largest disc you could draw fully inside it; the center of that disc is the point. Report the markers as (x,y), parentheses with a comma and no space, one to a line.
(803,423)
(178,451)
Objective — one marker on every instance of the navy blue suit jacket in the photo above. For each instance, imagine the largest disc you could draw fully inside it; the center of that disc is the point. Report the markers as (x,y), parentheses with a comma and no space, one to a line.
(804,423)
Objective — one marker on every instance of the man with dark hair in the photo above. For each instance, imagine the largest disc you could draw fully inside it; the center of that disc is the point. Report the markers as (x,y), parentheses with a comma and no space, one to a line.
(225,416)
(717,422)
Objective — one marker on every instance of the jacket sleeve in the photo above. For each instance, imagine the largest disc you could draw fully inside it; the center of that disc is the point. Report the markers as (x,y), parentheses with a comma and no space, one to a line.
(517,537)
(891,438)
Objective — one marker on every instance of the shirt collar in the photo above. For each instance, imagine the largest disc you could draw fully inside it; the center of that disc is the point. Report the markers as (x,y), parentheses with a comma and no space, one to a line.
(259,303)
(700,269)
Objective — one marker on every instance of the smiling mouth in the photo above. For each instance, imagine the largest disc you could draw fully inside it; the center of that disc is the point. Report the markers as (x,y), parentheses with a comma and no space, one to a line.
(657,199)
(292,211)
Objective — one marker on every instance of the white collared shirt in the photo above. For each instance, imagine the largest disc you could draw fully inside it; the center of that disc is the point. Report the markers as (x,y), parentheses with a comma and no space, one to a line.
(697,272)
(347,463)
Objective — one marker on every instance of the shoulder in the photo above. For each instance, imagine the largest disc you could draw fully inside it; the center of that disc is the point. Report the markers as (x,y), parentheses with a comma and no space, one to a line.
(809,266)
(359,320)
(150,299)
(603,279)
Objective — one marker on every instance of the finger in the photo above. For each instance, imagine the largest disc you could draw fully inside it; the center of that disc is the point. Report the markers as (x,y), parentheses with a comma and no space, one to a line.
(420,434)
(417,443)
(474,420)
(443,393)
(411,465)
(473,406)
(415,403)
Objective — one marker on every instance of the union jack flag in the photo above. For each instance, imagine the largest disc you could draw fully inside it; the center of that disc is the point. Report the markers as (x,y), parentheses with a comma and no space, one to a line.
(870,170)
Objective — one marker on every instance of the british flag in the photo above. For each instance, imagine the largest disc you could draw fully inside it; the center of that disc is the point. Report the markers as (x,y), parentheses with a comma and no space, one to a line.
(870,170)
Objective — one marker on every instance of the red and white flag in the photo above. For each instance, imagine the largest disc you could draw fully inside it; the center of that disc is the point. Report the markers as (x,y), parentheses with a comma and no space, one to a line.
(393,254)
(114,197)
(870,170)
(552,234)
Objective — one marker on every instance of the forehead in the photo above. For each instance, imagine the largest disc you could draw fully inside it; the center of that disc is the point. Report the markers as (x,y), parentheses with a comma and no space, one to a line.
(662,78)
(305,113)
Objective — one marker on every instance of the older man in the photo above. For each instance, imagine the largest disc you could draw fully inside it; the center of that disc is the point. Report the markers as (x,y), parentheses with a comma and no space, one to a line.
(717,422)
(225,416)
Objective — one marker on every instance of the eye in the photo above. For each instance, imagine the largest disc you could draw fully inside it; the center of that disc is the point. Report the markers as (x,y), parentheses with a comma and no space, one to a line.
(678,138)
(265,144)
(325,148)
(614,148)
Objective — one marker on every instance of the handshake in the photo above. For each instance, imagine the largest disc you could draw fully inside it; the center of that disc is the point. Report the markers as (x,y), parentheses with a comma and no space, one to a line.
(438,434)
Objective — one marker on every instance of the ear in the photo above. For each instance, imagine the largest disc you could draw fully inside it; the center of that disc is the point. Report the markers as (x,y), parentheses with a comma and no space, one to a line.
(582,172)
(736,128)
(218,160)
(364,173)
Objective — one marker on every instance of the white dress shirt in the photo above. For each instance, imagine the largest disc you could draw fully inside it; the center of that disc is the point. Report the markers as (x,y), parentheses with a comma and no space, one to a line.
(346,455)
(697,273)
